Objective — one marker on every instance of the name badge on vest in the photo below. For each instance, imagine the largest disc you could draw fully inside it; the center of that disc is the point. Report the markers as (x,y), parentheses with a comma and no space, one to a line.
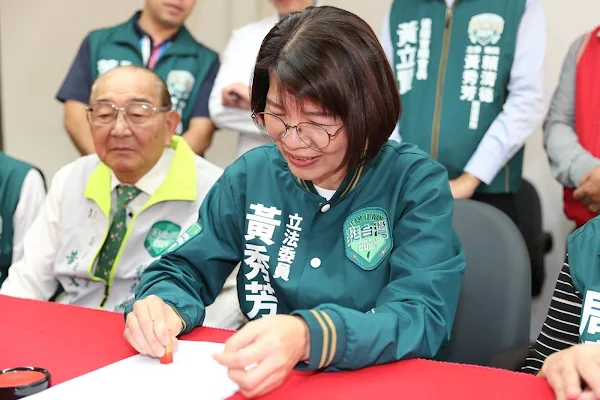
(368,237)
(161,236)
(589,326)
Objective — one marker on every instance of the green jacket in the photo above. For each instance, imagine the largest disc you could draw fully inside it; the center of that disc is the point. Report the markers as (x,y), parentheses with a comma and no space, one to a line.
(453,66)
(375,272)
(584,266)
(183,66)
(12,175)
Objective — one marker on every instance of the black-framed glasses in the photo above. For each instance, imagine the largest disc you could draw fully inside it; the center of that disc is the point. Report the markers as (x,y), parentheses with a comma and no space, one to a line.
(274,128)
(136,113)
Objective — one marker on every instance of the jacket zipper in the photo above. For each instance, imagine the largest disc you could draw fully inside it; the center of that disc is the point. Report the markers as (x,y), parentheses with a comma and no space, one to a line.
(435,131)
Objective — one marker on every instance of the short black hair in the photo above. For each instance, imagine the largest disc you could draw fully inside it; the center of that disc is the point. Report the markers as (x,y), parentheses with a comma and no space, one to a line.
(163,91)
(332,57)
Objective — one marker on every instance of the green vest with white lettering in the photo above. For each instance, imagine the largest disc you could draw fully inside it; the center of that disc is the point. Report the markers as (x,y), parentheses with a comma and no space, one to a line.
(453,66)
(583,249)
(12,175)
(183,66)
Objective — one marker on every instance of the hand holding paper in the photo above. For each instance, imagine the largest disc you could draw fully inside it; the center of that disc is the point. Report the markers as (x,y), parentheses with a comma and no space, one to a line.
(262,354)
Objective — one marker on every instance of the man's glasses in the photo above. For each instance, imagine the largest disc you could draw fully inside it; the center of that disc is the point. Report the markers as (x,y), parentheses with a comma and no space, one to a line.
(136,113)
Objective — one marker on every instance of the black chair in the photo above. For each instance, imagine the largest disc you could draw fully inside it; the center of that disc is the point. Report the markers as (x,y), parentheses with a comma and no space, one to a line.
(494,307)
(539,243)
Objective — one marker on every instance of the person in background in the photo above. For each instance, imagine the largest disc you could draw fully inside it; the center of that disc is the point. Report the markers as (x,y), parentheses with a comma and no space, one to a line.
(329,210)
(571,129)
(230,98)
(470,77)
(156,38)
(108,215)
(22,192)
(567,350)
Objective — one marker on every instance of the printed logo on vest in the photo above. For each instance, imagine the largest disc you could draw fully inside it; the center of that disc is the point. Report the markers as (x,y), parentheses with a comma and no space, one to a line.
(589,326)
(104,66)
(367,237)
(482,58)
(191,232)
(161,236)
(486,29)
(180,84)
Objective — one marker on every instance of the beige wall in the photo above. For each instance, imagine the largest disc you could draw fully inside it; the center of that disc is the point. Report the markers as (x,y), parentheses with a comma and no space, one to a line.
(39,40)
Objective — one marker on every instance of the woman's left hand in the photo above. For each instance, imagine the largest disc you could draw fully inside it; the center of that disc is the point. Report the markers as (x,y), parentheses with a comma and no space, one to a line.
(261,355)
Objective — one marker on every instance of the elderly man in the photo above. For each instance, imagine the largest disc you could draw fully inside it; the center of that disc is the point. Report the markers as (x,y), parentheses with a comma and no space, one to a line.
(156,38)
(230,96)
(108,216)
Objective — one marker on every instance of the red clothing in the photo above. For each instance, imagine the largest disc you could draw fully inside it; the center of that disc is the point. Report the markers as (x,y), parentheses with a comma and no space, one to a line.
(587,122)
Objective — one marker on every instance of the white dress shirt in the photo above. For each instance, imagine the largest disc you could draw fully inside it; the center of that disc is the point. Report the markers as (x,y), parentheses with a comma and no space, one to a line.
(33,192)
(524,107)
(237,66)
(148,185)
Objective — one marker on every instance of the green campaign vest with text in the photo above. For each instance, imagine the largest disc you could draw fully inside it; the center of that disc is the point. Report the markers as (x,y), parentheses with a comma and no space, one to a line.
(183,66)
(453,66)
(583,249)
(12,175)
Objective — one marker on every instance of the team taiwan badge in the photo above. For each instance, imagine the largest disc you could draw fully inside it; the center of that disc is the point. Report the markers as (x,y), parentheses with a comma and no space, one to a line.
(367,237)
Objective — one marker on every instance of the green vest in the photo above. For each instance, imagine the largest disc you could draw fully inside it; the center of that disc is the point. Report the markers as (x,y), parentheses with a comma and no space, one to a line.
(183,66)
(584,266)
(453,66)
(12,175)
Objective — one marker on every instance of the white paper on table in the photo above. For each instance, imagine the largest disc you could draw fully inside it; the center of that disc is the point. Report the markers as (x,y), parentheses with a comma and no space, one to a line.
(193,374)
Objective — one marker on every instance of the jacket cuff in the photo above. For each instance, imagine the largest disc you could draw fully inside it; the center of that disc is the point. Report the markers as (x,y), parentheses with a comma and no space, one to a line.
(327,338)
(186,326)
(180,311)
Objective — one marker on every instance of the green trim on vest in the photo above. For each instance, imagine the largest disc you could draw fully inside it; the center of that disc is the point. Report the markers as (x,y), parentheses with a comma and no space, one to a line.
(12,175)
(183,66)
(453,67)
(180,185)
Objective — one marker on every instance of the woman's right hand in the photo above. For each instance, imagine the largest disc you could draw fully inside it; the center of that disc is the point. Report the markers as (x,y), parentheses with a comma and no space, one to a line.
(151,325)
(565,369)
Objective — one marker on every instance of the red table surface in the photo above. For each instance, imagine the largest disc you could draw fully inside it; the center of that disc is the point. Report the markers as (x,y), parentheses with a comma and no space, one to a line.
(70,341)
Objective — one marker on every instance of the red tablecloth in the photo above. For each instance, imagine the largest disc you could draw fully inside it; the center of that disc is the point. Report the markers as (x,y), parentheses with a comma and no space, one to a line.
(70,341)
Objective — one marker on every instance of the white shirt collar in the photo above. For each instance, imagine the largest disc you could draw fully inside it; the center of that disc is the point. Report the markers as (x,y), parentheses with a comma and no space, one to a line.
(150,182)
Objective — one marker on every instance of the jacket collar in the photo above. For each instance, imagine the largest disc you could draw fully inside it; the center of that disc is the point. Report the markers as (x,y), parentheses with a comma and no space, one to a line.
(179,184)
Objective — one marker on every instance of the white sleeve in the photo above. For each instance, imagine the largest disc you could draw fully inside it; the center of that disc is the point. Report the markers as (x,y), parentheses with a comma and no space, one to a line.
(388,48)
(386,40)
(33,276)
(32,196)
(524,108)
(236,67)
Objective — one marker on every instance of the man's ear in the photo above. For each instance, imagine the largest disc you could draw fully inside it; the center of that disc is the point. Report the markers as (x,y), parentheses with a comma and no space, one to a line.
(173,119)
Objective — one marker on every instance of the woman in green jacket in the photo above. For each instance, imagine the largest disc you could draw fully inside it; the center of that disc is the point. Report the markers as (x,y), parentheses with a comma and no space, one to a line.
(345,239)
